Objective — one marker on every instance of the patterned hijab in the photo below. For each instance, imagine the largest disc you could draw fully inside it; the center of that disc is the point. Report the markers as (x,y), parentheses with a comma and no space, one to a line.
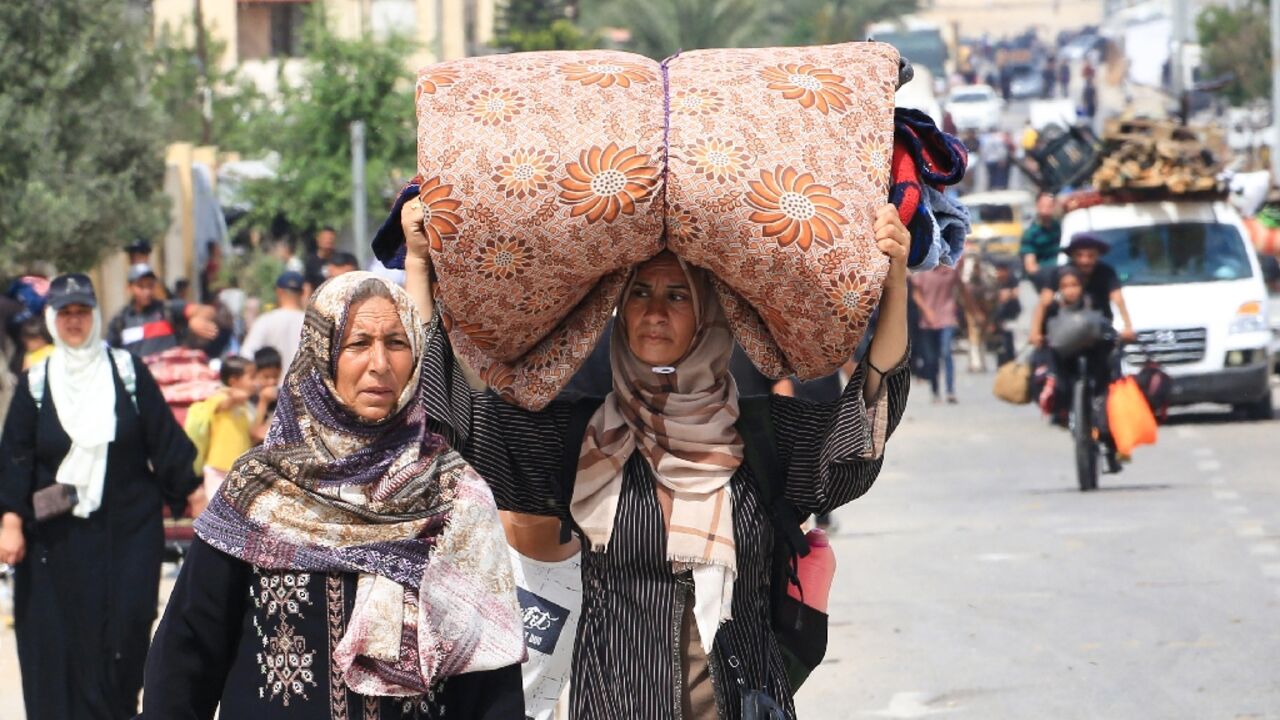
(681,420)
(387,500)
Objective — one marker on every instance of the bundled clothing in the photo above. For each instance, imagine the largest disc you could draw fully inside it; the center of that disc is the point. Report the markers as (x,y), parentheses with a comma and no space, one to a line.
(347,568)
(925,160)
(670,626)
(85,596)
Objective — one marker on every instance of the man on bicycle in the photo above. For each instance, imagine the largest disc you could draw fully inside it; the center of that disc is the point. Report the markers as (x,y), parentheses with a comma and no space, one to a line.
(1085,283)
(1102,287)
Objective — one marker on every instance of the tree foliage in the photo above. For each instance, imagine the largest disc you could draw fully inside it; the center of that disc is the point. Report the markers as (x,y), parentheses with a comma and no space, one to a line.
(183,96)
(1237,40)
(660,28)
(82,148)
(528,25)
(825,22)
(345,81)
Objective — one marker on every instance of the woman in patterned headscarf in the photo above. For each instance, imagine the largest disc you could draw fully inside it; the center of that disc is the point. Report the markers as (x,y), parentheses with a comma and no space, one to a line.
(353,566)
(678,544)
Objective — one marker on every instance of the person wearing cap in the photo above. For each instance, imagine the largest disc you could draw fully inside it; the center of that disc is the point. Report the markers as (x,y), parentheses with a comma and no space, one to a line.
(149,325)
(139,252)
(280,328)
(90,453)
(1102,287)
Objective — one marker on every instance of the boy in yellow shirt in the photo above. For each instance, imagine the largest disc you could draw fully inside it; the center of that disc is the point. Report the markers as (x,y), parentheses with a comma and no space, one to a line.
(222,425)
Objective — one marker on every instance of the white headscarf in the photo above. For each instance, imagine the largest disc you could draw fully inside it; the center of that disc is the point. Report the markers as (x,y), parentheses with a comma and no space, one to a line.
(84,392)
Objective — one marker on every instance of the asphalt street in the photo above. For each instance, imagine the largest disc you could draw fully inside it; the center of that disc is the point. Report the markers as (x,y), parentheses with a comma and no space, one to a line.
(975,580)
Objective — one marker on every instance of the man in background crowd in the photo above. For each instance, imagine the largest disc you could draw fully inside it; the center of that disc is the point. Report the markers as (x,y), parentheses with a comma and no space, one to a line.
(314,272)
(937,294)
(139,252)
(280,328)
(1042,242)
(340,263)
(149,325)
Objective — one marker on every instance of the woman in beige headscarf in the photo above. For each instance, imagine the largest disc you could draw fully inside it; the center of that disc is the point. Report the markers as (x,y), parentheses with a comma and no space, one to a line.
(678,545)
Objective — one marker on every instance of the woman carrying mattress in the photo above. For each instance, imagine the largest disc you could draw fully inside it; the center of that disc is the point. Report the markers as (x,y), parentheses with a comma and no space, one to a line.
(677,543)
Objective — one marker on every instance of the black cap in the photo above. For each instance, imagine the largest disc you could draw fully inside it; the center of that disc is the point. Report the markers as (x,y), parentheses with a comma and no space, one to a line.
(73,289)
(141,246)
(291,281)
(139,271)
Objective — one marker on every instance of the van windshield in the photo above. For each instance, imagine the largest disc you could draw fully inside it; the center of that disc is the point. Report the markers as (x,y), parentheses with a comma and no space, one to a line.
(985,213)
(1177,253)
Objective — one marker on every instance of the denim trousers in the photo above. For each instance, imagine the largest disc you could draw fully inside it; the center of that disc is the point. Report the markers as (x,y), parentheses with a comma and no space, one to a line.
(936,352)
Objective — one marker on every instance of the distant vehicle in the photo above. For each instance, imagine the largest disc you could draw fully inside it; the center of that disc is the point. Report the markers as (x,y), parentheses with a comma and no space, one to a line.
(920,42)
(975,107)
(1025,81)
(1195,291)
(997,220)
(919,95)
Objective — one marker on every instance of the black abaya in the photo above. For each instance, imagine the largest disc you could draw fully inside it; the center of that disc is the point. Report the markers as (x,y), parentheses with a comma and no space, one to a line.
(85,595)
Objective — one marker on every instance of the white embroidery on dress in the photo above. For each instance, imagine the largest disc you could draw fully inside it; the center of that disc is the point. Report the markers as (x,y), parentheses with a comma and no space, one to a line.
(285,662)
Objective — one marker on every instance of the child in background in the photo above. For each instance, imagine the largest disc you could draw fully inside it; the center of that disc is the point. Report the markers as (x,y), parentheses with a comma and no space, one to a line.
(36,342)
(220,425)
(268,366)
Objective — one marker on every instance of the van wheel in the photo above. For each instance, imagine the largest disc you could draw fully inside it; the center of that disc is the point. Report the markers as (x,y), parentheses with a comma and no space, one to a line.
(1259,410)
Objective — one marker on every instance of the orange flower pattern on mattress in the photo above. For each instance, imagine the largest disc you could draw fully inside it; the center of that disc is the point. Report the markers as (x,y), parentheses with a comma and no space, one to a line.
(549,175)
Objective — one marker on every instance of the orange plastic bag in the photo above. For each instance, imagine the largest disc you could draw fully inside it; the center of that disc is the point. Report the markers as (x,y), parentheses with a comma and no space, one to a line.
(1132,422)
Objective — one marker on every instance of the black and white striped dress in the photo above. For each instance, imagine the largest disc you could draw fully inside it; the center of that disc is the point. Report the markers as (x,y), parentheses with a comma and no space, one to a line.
(627,658)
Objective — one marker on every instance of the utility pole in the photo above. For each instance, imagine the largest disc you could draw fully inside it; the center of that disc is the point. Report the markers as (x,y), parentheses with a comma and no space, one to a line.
(1275,92)
(359,214)
(1177,56)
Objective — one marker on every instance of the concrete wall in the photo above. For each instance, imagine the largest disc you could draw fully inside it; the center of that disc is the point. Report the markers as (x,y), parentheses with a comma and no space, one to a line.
(438,28)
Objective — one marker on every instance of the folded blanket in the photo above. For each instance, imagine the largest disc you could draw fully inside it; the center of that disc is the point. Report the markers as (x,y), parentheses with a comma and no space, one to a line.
(941,159)
(926,159)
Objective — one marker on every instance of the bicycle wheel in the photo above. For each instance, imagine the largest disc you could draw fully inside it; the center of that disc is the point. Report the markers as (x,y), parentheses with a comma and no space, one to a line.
(1082,434)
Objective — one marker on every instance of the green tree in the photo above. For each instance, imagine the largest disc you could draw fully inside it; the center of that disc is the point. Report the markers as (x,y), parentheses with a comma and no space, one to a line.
(527,25)
(345,81)
(1237,40)
(82,167)
(825,22)
(183,96)
(661,27)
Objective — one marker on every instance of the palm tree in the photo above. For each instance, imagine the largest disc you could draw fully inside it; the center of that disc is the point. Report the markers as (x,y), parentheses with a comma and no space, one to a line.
(661,27)
(825,22)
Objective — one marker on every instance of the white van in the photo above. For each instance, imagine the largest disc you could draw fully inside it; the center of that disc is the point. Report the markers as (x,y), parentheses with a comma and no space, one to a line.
(1195,294)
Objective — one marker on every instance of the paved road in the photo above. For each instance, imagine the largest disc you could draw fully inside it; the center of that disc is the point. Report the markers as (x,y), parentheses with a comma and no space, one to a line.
(974,580)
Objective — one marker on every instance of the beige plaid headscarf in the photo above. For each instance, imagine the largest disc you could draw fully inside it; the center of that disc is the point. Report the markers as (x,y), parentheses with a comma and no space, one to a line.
(683,425)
